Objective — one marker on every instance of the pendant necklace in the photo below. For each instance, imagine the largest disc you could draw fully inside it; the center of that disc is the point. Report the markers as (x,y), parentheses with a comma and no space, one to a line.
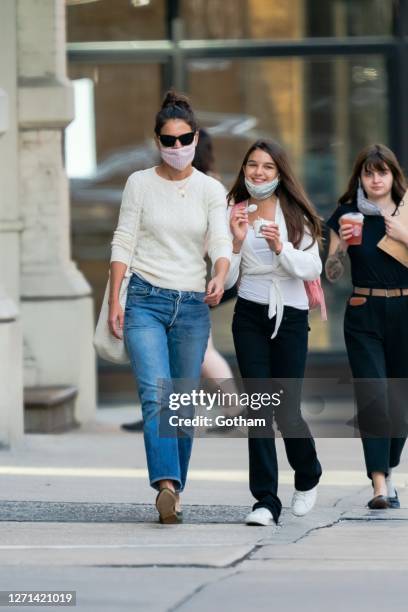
(182,189)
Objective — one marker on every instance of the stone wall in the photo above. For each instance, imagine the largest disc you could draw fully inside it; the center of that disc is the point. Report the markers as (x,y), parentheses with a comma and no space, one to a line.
(37,276)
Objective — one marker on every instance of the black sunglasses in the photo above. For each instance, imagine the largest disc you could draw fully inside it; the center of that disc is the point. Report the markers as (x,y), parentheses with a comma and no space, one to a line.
(170,141)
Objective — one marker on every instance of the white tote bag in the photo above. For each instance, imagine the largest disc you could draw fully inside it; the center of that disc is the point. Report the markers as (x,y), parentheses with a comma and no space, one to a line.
(106,345)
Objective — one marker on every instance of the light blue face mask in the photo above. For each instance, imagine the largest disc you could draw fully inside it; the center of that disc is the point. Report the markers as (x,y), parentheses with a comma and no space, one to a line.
(263,190)
(364,205)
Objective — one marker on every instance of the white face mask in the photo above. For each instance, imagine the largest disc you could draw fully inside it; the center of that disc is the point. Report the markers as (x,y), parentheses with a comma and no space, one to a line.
(180,158)
(261,191)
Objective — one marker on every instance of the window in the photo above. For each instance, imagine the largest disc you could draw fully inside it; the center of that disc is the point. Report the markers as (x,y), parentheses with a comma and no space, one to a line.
(310,84)
(280,19)
(125,97)
(118,20)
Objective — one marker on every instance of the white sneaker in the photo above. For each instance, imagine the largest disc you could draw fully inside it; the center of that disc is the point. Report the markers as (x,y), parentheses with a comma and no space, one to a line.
(260,516)
(303,501)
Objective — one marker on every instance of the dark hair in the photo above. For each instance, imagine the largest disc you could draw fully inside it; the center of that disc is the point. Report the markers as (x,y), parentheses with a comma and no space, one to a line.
(376,157)
(296,206)
(204,154)
(175,106)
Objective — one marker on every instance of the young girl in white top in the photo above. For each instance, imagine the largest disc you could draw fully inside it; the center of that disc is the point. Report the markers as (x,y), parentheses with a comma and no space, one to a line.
(166,320)
(276,234)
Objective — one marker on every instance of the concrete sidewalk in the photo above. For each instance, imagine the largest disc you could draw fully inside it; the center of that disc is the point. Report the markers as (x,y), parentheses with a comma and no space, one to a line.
(76,513)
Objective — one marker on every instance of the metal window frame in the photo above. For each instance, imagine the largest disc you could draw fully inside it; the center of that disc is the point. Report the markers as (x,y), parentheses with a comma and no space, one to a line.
(164,50)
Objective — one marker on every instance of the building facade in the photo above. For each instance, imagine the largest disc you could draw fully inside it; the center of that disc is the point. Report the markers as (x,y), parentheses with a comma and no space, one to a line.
(46,309)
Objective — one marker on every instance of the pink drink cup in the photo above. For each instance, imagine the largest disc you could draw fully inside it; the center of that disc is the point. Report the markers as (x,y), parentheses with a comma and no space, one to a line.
(356,220)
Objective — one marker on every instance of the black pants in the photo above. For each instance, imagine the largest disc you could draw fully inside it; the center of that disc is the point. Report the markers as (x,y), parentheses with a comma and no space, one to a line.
(376,335)
(284,357)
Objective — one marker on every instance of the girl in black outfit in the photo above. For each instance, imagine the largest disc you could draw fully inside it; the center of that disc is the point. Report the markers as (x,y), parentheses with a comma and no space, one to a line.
(376,317)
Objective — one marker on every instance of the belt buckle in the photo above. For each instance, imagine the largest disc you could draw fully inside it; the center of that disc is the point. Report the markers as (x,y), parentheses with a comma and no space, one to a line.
(386,293)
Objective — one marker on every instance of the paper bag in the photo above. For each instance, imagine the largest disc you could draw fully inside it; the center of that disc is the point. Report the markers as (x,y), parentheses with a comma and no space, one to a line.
(393,247)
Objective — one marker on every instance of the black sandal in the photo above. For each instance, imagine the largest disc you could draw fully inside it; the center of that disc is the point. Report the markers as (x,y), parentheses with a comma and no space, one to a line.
(379,502)
(394,501)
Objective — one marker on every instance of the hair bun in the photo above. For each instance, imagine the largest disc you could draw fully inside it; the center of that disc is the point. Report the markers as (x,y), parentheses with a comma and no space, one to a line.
(173,98)
(175,106)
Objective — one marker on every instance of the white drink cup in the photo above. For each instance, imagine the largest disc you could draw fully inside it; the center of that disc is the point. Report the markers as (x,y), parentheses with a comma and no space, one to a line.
(258,225)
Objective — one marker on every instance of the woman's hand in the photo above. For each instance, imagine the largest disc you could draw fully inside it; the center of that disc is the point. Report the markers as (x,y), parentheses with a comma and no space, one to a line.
(239,223)
(396,230)
(272,236)
(115,320)
(215,290)
(345,233)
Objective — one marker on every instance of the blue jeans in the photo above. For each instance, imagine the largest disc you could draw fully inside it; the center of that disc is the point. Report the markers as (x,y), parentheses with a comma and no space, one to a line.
(166,334)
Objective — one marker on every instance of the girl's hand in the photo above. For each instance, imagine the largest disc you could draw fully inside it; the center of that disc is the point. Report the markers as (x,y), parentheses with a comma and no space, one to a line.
(345,232)
(215,291)
(272,236)
(239,222)
(115,320)
(396,230)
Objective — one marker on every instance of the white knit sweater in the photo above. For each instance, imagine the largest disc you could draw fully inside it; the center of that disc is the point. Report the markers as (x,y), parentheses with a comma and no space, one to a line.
(173,229)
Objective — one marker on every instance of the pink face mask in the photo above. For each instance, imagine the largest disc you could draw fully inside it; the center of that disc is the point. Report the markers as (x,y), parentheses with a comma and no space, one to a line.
(180,158)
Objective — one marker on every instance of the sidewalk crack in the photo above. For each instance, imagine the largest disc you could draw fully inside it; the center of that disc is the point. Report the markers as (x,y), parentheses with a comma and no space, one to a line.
(353,494)
(336,521)
(198,590)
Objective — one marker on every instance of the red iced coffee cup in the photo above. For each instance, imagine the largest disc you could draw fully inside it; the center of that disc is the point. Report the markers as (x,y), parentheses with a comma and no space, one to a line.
(356,220)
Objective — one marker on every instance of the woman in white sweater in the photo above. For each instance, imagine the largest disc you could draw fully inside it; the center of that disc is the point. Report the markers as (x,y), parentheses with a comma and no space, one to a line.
(276,234)
(166,320)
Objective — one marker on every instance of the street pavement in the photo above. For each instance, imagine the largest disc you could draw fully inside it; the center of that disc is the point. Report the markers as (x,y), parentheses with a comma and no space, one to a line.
(76,513)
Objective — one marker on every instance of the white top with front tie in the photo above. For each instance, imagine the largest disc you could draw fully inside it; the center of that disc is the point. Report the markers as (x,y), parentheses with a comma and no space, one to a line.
(275,280)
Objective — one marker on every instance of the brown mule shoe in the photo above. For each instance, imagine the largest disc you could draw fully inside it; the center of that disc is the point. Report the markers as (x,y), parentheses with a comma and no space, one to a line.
(166,507)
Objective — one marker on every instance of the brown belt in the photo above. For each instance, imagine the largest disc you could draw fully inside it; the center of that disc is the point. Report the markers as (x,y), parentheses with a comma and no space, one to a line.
(380,292)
